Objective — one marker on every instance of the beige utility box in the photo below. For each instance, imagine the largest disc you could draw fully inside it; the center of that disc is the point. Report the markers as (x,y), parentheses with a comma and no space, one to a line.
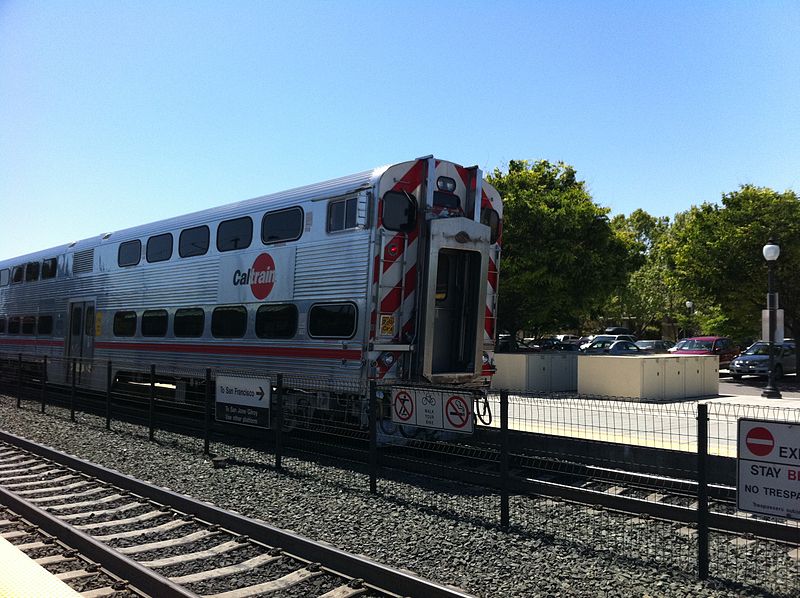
(544,372)
(653,377)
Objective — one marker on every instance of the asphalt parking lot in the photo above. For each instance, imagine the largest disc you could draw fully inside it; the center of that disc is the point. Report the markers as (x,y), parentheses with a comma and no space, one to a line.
(789,385)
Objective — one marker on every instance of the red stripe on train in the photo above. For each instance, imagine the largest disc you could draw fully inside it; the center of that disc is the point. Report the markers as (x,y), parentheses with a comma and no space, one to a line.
(412,179)
(233,350)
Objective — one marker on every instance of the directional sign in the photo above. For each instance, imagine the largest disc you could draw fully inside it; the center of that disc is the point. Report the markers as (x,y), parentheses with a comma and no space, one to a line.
(768,480)
(243,401)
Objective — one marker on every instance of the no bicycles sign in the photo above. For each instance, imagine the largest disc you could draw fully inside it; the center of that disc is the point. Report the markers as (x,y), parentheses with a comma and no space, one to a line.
(435,409)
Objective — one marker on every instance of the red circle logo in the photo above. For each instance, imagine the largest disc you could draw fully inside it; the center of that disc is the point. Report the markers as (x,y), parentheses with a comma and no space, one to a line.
(760,442)
(263,276)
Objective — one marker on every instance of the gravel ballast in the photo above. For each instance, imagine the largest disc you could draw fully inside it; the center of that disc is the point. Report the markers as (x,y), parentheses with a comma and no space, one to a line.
(396,527)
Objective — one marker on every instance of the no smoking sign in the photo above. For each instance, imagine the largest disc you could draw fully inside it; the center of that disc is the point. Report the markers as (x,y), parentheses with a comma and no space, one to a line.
(434,409)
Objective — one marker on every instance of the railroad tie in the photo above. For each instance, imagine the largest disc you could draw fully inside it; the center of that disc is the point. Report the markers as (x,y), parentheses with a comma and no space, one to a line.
(248,565)
(164,527)
(194,556)
(188,539)
(117,510)
(282,583)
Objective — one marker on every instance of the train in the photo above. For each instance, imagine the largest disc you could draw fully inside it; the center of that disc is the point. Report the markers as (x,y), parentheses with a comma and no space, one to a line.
(390,274)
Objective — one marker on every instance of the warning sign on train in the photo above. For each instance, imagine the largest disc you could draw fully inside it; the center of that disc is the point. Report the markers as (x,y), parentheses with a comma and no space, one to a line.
(435,409)
(458,412)
(243,401)
(768,468)
(403,406)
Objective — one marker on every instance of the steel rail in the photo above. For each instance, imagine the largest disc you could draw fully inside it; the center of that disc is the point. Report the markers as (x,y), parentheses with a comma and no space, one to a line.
(141,578)
(377,575)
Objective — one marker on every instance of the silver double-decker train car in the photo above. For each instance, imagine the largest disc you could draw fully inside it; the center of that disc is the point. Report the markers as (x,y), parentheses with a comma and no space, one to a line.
(390,275)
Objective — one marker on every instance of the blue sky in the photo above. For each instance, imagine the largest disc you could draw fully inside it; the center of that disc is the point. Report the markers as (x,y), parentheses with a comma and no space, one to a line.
(116,113)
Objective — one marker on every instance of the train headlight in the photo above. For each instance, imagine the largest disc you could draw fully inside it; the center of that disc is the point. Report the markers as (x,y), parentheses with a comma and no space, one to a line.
(445,183)
(387,359)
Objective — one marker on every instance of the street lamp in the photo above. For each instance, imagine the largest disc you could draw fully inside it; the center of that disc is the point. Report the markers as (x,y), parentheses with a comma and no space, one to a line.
(689,327)
(771,252)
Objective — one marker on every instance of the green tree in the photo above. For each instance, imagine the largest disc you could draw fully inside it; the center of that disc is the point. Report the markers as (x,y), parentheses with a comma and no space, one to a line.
(561,258)
(717,252)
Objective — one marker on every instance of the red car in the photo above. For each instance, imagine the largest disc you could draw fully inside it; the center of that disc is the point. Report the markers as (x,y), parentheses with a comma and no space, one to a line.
(708,345)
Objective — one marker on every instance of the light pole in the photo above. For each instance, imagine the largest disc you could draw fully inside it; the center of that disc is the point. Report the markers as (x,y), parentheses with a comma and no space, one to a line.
(690,327)
(771,252)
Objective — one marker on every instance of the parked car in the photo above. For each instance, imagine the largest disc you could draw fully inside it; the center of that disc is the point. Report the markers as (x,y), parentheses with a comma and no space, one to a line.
(603,344)
(567,338)
(709,345)
(654,346)
(617,330)
(754,361)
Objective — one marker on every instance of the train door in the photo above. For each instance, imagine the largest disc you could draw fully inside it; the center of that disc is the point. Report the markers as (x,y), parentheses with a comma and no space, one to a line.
(454,312)
(80,337)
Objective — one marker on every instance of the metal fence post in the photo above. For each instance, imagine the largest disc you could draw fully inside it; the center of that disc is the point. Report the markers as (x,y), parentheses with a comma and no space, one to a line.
(108,395)
(151,417)
(505,514)
(207,430)
(702,491)
(279,423)
(19,380)
(72,390)
(373,437)
(44,381)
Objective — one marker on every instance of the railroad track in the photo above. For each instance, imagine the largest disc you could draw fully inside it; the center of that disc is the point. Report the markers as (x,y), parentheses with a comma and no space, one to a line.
(165,544)
(75,569)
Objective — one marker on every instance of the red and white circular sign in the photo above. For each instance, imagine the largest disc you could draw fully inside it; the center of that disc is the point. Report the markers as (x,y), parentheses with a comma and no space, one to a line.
(263,276)
(760,441)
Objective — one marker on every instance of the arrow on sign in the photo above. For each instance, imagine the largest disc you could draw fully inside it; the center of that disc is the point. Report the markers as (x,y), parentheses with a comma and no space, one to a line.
(260,393)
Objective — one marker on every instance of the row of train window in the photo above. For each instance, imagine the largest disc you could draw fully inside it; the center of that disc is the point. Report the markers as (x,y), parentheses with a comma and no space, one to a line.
(29,272)
(276,227)
(273,321)
(41,325)
(276,321)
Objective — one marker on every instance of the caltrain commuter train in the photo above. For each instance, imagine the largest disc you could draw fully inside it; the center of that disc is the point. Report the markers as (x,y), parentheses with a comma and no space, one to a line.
(389,274)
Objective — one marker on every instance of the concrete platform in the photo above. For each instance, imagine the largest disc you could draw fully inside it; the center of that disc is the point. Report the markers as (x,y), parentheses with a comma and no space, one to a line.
(22,576)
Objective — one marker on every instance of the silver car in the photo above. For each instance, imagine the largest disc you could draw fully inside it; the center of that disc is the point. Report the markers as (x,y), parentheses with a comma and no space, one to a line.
(754,361)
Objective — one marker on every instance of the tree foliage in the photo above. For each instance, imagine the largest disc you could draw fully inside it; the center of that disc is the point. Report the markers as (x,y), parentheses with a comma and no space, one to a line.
(717,253)
(561,257)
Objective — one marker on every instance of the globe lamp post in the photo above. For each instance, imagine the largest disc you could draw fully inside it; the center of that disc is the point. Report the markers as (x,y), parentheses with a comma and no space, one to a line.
(771,252)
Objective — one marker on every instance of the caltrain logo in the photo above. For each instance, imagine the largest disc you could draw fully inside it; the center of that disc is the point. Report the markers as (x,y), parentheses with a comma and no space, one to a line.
(261,277)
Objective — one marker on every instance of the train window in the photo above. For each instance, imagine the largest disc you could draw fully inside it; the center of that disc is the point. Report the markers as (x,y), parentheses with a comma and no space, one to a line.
(130,253)
(154,322)
(276,321)
(399,211)
(159,248)
(2,325)
(17,274)
(229,321)
(77,315)
(491,218)
(193,241)
(32,271)
(446,200)
(88,321)
(49,268)
(189,322)
(28,324)
(44,326)
(13,325)
(332,320)
(125,323)
(5,276)
(235,234)
(342,214)
(282,225)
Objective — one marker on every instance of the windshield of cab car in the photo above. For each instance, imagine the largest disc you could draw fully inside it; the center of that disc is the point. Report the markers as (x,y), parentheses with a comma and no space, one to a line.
(761,349)
(697,345)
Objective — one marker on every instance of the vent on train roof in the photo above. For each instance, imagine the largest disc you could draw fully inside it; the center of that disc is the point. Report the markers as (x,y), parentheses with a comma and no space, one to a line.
(83,261)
